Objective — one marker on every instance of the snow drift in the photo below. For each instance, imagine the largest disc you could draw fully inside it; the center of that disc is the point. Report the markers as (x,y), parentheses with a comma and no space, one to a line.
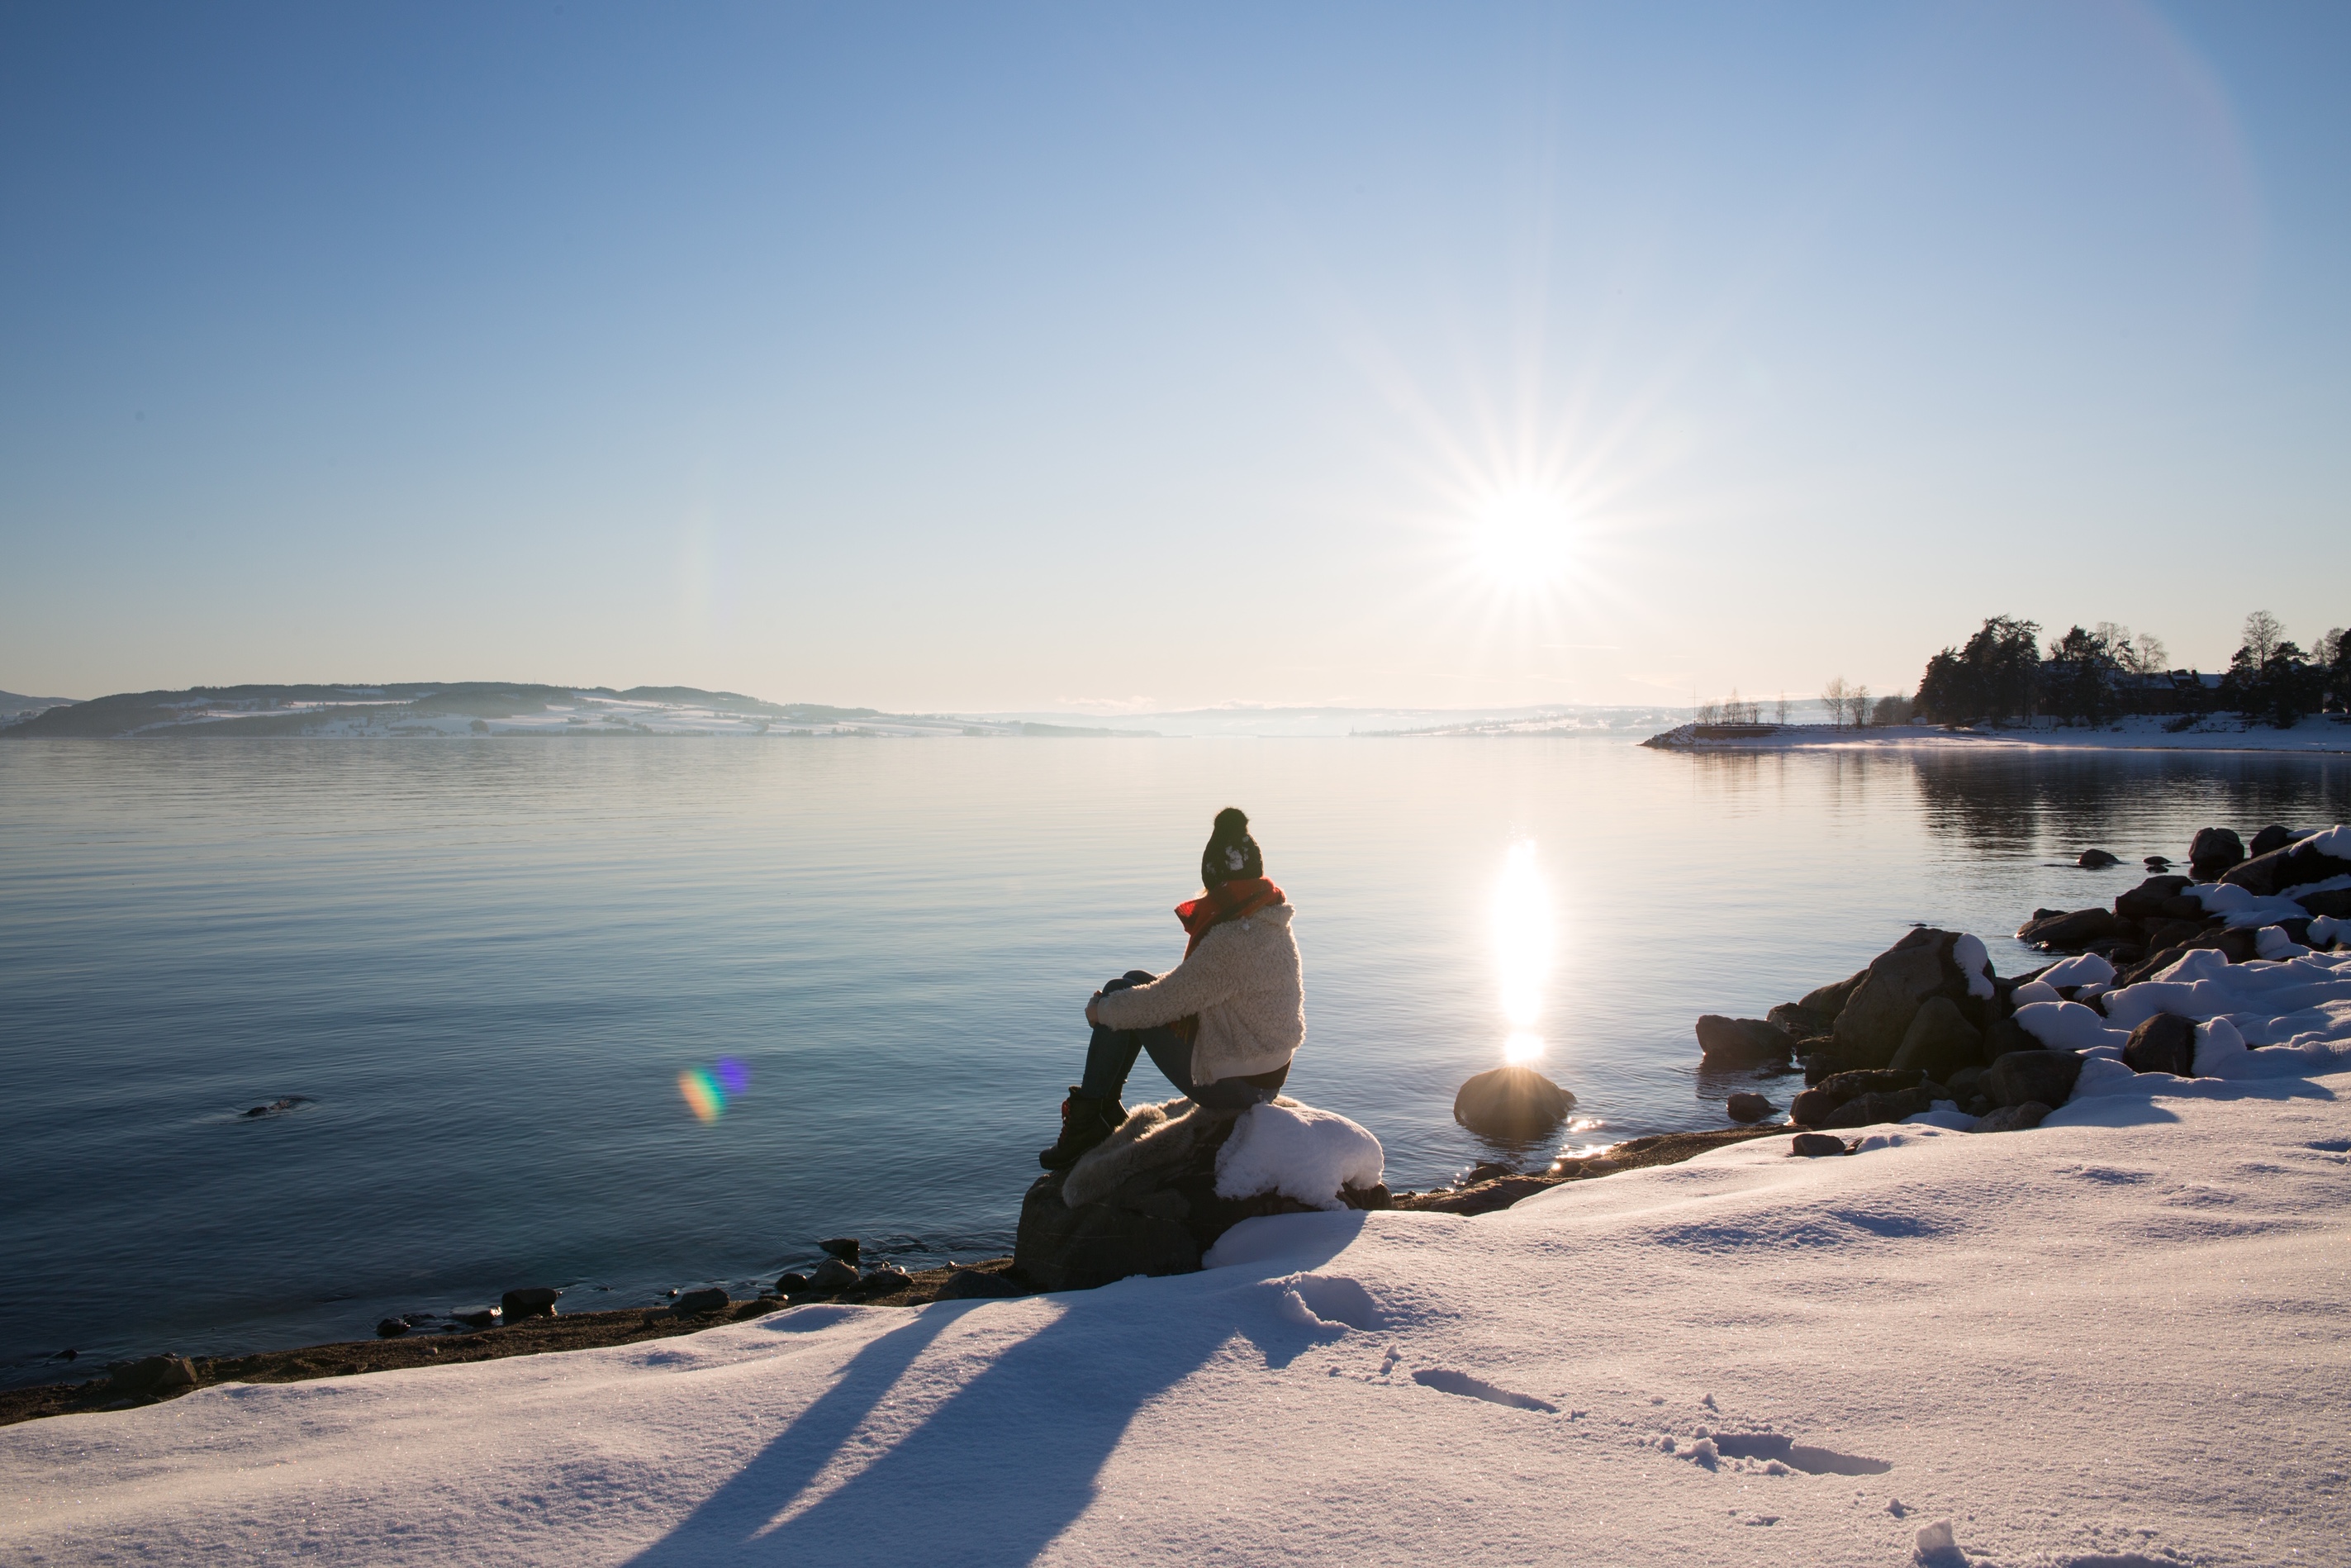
(2115,1335)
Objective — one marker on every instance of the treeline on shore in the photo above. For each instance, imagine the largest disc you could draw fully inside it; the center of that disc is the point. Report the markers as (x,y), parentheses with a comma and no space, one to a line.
(2001,674)
(2089,676)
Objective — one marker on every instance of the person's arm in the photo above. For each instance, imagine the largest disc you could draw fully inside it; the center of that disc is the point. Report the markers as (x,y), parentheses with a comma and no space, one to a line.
(1199,981)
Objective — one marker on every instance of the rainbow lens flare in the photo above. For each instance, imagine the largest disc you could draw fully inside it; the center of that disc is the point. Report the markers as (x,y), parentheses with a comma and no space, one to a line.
(732,1076)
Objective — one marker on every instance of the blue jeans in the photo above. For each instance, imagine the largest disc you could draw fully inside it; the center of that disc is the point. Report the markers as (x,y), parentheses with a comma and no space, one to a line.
(1110,1057)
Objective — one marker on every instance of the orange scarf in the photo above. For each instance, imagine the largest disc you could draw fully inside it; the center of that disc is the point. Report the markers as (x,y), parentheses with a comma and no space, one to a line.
(1234,900)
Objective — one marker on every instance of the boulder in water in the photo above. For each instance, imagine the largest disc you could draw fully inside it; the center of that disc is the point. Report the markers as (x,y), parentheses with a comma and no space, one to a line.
(1512,1102)
(537,1301)
(2214,849)
(1741,1042)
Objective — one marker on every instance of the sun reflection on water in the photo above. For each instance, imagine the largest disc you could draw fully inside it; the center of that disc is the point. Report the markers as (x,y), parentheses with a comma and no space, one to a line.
(1524,943)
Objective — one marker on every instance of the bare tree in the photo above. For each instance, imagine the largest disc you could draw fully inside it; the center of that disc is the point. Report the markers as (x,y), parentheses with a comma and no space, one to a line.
(1834,695)
(2137,654)
(1780,709)
(2264,635)
(1856,702)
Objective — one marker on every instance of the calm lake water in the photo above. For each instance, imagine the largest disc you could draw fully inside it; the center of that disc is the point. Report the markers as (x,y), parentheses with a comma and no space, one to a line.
(485,964)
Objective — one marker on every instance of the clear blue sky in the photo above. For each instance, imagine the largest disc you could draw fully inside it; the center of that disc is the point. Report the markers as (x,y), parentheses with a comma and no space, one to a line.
(974,358)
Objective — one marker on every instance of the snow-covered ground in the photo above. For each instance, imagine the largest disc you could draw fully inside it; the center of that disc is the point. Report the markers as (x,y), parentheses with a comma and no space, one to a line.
(2220,732)
(2119,1339)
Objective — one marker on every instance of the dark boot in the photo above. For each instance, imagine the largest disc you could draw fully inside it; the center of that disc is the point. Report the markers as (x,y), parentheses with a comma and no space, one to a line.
(1085,1122)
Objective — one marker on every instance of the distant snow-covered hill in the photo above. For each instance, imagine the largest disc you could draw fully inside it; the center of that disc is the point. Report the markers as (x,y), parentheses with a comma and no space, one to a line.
(487,708)
(15,705)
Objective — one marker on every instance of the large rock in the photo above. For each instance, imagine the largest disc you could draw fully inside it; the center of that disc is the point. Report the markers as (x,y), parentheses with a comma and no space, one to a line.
(2003,1035)
(2070,930)
(534,1301)
(153,1376)
(1064,1248)
(1871,1026)
(1513,1103)
(1814,1106)
(2146,901)
(2214,851)
(977,1285)
(2012,1118)
(1831,998)
(2097,859)
(2335,902)
(2276,836)
(2164,1043)
(2265,876)
(1738,1042)
(1804,1025)
(1146,1201)
(1870,1110)
(2024,1076)
(1939,1040)
(831,1275)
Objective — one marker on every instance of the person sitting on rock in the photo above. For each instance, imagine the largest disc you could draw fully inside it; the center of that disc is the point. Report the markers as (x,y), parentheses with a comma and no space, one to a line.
(1222,1025)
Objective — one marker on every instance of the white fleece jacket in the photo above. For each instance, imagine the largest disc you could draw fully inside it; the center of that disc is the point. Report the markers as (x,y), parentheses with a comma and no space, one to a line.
(1243,981)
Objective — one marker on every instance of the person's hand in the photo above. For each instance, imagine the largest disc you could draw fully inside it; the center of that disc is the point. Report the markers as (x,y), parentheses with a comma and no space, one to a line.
(1093,1017)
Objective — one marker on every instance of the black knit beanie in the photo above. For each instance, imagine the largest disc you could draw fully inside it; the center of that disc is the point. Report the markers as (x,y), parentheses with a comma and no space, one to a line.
(1232,852)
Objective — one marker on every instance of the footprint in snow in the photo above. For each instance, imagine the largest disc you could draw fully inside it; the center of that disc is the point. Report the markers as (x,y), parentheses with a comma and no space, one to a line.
(1330,1300)
(1445,1380)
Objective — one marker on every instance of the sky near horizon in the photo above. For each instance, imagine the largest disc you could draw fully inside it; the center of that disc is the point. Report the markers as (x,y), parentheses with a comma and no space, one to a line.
(1117,359)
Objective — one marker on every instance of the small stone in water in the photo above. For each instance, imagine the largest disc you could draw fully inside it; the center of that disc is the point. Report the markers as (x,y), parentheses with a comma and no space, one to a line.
(473,1317)
(391,1328)
(843,1248)
(535,1301)
(1748,1107)
(791,1284)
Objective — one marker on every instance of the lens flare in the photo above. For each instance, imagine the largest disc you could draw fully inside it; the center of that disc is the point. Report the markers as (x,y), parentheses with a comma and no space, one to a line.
(703,1095)
(732,1076)
(1523,944)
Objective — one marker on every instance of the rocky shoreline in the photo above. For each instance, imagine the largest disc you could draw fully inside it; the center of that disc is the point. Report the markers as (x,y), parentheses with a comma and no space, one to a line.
(1926,1029)
(529,1322)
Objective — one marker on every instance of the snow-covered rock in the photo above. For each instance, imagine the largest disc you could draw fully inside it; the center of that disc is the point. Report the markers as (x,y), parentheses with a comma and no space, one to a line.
(1296,1152)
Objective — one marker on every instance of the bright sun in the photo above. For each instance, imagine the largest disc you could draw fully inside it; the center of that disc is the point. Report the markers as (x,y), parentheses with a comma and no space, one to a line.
(1521,537)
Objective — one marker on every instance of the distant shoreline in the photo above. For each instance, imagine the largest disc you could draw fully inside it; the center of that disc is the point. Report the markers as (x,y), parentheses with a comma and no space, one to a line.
(2323,736)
